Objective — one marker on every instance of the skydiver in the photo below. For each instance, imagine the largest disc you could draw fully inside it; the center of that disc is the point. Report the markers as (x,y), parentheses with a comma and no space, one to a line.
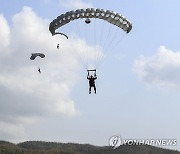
(57,46)
(39,70)
(92,82)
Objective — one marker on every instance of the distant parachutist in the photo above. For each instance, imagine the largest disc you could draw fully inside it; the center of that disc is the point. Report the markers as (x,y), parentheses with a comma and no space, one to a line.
(39,70)
(34,56)
(57,46)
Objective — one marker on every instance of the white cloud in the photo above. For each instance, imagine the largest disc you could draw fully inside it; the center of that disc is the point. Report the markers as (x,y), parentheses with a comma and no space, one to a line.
(30,34)
(12,132)
(5,34)
(75,4)
(162,69)
(26,95)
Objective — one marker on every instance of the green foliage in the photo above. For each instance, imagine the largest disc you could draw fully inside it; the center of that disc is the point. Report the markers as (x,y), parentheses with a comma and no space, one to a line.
(38,147)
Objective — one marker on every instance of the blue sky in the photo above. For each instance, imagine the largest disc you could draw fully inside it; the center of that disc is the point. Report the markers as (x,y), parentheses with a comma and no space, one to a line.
(138,83)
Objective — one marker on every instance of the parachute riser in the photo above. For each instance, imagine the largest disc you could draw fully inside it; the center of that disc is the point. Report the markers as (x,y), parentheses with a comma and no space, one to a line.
(92,70)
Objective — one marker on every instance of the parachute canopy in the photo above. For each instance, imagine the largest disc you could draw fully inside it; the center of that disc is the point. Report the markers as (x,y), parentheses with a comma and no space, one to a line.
(34,55)
(60,34)
(92,34)
(107,15)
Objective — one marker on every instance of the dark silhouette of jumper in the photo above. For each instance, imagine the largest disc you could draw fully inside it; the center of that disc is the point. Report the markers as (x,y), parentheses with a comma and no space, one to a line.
(39,70)
(92,82)
(57,46)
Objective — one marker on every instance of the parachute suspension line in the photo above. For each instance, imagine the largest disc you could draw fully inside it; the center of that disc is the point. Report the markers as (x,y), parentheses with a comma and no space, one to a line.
(111,41)
(118,41)
(86,50)
(82,54)
(98,52)
(76,53)
(112,49)
(115,37)
(99,40)
(105,42)
(95,43)
(108,35)
(110,44)
(101,36)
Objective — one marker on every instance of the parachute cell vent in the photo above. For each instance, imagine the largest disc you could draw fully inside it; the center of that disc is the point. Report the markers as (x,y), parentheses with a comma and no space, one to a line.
(107,15)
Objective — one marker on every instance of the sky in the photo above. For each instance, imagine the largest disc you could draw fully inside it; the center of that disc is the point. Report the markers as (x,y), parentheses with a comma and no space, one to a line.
(138,82)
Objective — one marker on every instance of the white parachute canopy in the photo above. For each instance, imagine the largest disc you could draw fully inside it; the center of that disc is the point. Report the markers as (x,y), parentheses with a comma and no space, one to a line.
(92,33)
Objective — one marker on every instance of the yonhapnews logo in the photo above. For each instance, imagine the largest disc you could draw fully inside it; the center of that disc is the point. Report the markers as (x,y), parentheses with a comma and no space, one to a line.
(116,140)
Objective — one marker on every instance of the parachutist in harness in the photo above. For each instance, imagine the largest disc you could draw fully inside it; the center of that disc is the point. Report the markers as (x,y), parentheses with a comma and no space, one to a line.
(34,56)
(92,79)
(39,70)
(57,46)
